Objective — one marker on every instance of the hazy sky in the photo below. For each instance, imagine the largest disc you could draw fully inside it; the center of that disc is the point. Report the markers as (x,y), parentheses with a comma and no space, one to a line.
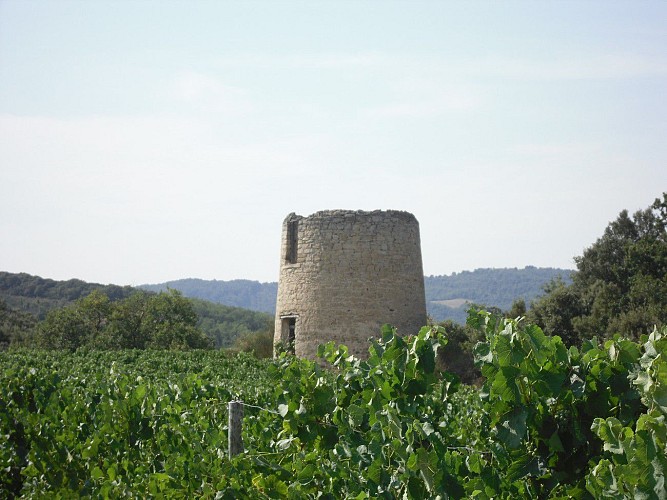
(143,141)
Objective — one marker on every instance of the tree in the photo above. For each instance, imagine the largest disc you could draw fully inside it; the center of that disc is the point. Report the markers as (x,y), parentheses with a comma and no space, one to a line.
(170,322)
(14,325)
(77,325)
(620,285)
(555,311)
(457,355)
(258,343)
(125,329)
(163,321)
(517,310)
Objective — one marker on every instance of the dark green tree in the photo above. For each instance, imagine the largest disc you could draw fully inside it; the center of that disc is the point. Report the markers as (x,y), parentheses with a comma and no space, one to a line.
(15,326)
(517,310)
(170,322)
(78,325)
(555,311)
(620,285)
(258,343)
(158,321)
(126,330)
(457,355)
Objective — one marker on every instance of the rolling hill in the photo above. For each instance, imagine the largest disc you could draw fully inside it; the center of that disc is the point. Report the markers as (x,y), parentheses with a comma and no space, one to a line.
(27,299)
(447,297)
(228,309)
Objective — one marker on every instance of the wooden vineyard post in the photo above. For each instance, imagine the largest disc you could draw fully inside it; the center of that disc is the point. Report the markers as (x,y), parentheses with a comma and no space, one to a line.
(235,424)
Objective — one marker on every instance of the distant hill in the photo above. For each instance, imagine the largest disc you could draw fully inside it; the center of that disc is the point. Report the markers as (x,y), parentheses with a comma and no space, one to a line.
(228,309)
(447,297)
(26,299)
(37,296)
(239,293)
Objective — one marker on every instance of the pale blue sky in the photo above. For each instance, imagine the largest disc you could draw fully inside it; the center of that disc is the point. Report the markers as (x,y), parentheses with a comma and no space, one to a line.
(142,141)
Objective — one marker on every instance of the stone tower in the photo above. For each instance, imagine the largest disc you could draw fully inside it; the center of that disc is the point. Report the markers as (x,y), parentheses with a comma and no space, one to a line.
(343,274)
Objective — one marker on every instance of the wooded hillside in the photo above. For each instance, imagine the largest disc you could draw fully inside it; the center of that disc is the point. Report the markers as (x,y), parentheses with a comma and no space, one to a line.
(37,296)
(26,300)
(239,293)
(447,297)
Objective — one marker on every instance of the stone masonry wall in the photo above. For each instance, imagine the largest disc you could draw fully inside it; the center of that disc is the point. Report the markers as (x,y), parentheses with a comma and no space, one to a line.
(350,273)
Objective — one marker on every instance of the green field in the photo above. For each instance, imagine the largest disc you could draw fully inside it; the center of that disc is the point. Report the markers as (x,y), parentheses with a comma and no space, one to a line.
(548,422)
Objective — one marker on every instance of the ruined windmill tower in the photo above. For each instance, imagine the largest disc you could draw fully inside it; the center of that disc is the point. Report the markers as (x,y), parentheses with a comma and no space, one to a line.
(343,274)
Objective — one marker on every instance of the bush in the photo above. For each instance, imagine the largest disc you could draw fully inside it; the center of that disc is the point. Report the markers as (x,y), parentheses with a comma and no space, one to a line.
(259,343)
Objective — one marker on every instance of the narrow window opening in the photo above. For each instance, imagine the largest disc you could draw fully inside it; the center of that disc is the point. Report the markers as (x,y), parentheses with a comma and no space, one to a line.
(292,241)
(289,332)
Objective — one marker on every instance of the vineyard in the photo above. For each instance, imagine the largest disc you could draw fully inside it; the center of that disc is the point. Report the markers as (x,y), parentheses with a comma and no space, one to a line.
(549,421)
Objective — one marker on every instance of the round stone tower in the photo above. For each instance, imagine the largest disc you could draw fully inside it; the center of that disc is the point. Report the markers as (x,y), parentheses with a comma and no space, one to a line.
(343,274)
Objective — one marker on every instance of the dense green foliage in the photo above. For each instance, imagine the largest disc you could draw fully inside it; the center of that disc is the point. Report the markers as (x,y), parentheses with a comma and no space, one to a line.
(259,343)
(549,422)
(225,324)
(14,325)
(620,285)
(457,355)
(547,404)
(156,321)
(116,424)
(26,299)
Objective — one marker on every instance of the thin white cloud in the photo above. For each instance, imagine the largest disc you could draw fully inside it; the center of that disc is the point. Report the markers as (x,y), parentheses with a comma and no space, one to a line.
(322,60)
(549,150)
(584,65)
(428,86)
(579,67)
(412,106)
(205,92)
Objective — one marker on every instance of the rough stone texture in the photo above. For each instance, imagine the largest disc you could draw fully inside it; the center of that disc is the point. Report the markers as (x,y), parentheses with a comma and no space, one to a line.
(352,272)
